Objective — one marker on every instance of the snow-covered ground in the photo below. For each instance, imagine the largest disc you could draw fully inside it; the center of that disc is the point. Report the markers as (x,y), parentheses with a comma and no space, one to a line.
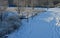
(26,11)
(55,15)
(54,9)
